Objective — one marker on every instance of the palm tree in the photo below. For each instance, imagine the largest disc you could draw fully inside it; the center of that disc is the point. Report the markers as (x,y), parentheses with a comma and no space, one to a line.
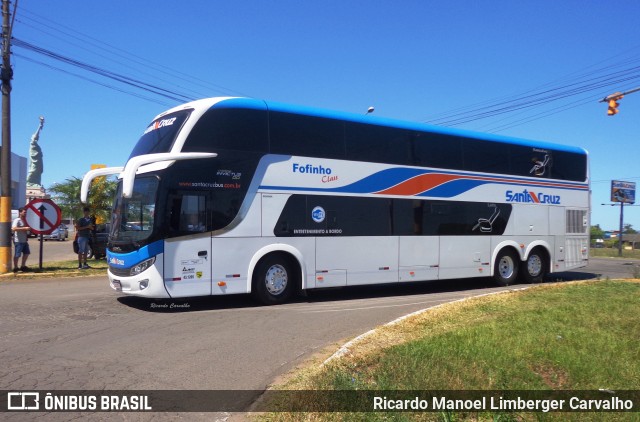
(67,197)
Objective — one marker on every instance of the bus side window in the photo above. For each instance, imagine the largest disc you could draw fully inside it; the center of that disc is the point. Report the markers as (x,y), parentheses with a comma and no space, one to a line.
(193,215)
(188,213)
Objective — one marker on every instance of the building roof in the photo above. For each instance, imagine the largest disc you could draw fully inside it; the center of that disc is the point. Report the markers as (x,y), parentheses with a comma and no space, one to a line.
(631,237)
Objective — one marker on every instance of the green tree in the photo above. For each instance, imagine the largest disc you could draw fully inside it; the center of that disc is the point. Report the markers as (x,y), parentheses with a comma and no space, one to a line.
(101,194)
(596,232)
(628,229)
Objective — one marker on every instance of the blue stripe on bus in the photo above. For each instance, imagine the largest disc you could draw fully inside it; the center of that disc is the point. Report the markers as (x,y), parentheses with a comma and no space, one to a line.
(129,259)
(247,103)
(389,178)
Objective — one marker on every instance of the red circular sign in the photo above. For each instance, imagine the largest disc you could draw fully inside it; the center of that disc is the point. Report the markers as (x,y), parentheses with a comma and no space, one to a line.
(43,216)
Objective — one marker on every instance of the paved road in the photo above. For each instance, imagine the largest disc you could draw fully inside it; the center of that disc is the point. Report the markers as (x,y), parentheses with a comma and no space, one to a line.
(77,334)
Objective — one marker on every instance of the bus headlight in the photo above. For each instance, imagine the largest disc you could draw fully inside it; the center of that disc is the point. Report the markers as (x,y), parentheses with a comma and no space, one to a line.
(137,269)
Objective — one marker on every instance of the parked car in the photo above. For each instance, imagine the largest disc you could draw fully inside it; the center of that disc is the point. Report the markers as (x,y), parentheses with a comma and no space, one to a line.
(99,239)
(60,233)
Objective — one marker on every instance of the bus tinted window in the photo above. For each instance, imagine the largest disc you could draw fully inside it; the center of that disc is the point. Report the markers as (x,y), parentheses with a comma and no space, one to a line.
(231,129)
(437,150)
(160,134)
(527,161)
(377,144)
(307,136)
(312,136)
(133,219)
(219,185)
(353,216)
(484,156)
(569,166)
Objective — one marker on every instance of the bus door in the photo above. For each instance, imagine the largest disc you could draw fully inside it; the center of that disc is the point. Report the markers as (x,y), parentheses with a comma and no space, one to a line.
(187,257)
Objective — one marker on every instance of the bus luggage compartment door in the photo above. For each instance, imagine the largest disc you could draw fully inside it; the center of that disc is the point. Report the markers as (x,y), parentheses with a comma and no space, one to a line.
(367,260)
(419,258)
(188,267)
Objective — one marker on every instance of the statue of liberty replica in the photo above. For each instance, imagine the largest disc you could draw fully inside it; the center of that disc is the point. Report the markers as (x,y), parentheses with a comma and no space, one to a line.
(34,176)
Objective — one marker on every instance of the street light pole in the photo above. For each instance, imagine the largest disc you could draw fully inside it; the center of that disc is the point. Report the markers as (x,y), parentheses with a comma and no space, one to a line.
(621,228)
(6,74)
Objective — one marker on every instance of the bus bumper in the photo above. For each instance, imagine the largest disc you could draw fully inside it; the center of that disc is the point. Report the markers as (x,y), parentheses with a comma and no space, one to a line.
(149,283)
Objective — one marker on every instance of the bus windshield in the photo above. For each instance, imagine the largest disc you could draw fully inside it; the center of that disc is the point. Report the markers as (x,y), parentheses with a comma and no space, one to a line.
(160,134)
(132,218)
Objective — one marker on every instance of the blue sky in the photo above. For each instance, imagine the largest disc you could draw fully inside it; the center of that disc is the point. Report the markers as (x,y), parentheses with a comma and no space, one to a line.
(412,60)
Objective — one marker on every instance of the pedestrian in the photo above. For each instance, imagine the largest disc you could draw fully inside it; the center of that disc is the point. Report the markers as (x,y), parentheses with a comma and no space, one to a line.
(20,236)
(84,226)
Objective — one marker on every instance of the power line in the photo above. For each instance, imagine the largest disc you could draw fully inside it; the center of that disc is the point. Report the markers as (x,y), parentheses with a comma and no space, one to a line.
(108,52)
(157,90)
(541,98)
(618,73)
(115,88)
(516,109)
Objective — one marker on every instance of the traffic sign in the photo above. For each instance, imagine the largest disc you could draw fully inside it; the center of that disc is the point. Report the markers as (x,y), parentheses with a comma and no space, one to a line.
(43,216)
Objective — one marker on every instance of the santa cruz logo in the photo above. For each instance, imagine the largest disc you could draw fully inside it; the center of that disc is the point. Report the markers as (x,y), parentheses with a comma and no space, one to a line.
(532,197)
(116,261)
(159,124)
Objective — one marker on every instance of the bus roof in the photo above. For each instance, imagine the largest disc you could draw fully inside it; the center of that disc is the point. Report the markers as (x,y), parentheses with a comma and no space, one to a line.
(251,103)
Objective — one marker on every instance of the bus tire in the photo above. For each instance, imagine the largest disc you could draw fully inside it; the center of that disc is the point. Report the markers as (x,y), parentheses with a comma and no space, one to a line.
(506,267)
(535,267)
(274,279)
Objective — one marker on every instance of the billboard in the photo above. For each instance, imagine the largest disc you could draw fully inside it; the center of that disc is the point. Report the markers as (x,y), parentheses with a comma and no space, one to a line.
(624,192)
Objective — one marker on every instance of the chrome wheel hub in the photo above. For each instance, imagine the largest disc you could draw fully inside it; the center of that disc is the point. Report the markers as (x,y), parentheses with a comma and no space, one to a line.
(534,265)
(276,279)
(506,267)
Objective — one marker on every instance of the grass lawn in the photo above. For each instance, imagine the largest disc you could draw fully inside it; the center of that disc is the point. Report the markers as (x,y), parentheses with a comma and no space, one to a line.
(59,269)
(566,336)
(613,253)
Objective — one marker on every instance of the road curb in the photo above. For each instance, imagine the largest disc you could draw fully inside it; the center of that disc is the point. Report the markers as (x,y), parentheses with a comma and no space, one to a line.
(34,275)
(25,274)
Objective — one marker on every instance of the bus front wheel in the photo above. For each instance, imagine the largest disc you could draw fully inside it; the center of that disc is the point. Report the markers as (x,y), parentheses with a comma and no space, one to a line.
(274,280)
(506,268)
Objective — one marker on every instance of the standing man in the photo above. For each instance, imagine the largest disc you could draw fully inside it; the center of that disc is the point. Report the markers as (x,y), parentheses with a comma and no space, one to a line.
(83,231)
(20,231)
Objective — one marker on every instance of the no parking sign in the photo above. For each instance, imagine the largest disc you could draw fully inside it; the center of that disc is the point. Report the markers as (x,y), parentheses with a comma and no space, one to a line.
(43,216)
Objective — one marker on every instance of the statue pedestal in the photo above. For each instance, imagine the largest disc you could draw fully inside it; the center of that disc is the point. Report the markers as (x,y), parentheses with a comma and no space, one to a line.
(36,192)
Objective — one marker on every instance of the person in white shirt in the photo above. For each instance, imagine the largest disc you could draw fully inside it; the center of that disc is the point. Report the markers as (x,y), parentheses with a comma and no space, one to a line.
(20,231)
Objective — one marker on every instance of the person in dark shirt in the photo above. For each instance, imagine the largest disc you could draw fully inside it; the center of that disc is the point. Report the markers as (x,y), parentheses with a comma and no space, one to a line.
(84,226)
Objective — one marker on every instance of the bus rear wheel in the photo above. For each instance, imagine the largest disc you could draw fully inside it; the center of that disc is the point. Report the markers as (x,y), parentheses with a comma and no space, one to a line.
(506,268)
(274,280)
(535,267)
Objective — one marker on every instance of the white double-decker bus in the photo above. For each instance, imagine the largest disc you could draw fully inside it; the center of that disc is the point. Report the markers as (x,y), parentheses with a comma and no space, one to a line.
(233,195)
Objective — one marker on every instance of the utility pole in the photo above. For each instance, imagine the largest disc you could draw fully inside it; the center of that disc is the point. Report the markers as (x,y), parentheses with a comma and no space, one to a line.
(6,74)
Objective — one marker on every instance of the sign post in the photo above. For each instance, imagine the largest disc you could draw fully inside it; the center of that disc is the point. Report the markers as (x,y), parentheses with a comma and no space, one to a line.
(624,193)
(43,217)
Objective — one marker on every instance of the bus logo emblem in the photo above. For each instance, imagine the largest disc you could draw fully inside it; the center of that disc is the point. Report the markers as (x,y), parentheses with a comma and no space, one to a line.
(318,214)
